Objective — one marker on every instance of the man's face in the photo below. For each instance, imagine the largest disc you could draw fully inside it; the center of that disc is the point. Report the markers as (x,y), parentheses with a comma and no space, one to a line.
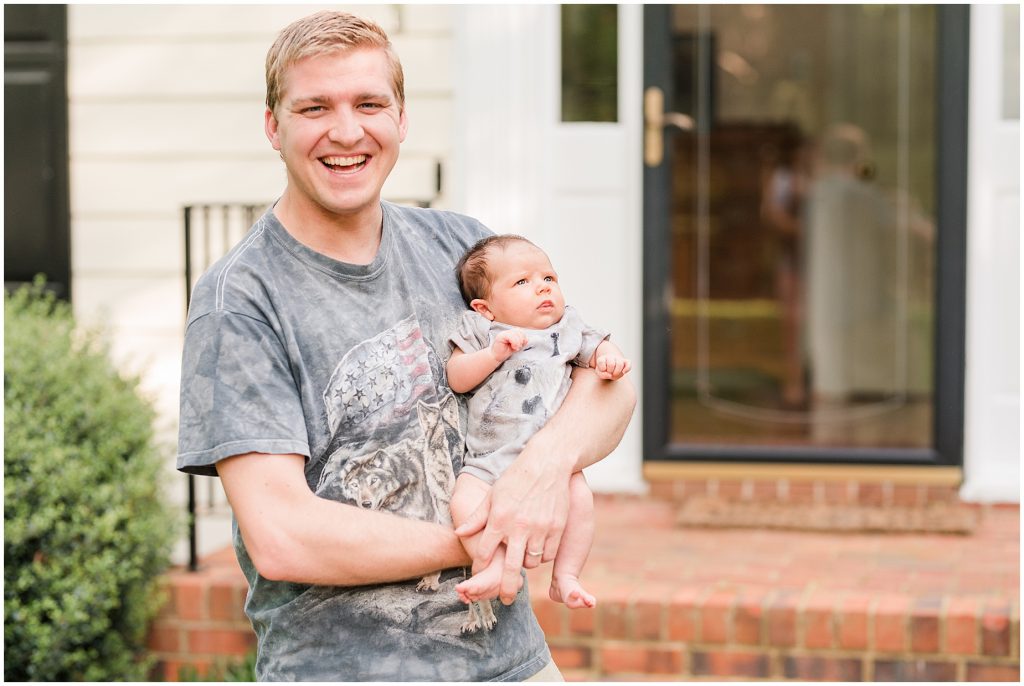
(524,288)
(338,129)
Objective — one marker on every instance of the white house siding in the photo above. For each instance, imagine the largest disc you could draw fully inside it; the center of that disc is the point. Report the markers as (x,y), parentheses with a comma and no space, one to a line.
(992,397)
(166,109)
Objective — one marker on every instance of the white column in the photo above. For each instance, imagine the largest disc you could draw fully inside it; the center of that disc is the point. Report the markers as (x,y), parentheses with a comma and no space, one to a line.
(992,421)
(498,173)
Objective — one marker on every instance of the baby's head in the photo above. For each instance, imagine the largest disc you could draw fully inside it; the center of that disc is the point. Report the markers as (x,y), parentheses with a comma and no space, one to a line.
(510,280)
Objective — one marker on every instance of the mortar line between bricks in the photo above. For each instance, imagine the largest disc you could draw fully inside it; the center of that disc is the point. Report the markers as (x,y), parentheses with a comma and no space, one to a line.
(943,624)
(801,615)
(1015,629)
(775,665)
(698,613)
(222,624)
(834,621)
(979,629)
(629,615)
(870,629)
(663,619)
(640,643)
(845,653)
(730,618)
(766,604)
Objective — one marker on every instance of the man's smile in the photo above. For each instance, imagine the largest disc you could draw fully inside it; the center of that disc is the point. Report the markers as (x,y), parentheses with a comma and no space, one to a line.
(344,165)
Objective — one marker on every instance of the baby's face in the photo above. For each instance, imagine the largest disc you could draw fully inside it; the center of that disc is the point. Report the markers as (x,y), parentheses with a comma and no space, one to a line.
(524,288)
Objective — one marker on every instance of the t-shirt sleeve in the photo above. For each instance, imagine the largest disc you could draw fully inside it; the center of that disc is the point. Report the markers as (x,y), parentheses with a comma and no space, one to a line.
(592,338)
(472,333)
(238,394)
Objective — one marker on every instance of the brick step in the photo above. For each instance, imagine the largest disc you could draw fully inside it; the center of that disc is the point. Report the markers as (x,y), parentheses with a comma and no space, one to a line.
(714,632)
(679,603)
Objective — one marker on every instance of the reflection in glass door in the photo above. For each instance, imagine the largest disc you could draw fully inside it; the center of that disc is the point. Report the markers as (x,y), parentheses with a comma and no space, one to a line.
(802,239)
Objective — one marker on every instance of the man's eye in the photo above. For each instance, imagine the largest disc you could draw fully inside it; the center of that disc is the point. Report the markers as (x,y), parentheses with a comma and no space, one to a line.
(312,110)
(371,105)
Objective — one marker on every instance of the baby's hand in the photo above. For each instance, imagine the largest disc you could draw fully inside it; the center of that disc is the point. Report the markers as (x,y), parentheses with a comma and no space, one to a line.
(612,367)
(506,343)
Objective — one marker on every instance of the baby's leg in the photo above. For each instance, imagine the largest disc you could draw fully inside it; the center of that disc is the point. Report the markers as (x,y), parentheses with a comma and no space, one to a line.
(574,548)
(469,492)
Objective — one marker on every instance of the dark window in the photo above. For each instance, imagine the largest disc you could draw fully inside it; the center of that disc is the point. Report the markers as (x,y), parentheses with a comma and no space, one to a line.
(590,63)
(36,214)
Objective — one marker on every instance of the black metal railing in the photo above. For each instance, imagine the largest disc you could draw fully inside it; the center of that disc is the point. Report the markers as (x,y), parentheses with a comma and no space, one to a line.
(210,232)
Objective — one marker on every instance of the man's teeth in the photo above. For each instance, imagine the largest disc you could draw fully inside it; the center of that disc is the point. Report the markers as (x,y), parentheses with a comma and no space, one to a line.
(344,161)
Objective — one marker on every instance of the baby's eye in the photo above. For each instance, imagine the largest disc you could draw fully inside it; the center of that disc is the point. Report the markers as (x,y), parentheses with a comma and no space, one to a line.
(549,278)
(520,282)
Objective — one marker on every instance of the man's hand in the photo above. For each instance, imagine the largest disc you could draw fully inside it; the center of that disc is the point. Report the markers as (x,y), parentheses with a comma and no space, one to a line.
(526,510)
(506,343)
(612,367)
(528,505)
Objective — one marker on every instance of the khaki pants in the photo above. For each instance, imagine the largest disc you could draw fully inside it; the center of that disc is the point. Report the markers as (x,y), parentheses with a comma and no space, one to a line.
(549,673)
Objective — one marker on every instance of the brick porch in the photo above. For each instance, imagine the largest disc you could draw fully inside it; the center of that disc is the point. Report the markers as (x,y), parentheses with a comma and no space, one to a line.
(699,603)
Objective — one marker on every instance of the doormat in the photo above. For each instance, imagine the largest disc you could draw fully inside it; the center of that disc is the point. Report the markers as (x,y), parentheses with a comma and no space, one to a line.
(944,518)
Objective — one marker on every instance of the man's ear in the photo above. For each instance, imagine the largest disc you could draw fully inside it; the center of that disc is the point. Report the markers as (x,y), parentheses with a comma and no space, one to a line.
(403,126)
(270,127)
(481,306)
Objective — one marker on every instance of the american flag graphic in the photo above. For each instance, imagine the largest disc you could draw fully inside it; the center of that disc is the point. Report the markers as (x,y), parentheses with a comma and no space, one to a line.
(379,380)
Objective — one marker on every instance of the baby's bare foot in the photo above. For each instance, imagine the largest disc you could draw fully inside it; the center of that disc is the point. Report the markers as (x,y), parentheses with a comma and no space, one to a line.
(483,585)
(567,589)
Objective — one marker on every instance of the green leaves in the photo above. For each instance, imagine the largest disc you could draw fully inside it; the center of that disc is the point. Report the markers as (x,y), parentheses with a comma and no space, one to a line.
(86,532)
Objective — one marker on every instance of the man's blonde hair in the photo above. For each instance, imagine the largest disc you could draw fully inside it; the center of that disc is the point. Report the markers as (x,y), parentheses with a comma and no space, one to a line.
(322,33)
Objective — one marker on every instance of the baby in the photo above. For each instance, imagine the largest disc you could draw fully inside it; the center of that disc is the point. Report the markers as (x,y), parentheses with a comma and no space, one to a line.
(513,353)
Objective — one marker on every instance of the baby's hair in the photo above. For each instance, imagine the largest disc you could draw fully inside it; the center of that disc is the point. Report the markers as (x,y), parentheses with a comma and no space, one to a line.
(471,271)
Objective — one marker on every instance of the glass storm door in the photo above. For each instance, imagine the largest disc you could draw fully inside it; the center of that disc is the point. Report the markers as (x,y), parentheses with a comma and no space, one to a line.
(796,158)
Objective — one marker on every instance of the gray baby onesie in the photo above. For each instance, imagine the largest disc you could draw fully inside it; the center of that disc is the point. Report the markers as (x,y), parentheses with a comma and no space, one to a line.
(520,395)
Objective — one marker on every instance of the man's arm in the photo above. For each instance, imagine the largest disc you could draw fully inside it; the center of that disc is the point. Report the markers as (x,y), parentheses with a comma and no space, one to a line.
(293,535)
(527,506)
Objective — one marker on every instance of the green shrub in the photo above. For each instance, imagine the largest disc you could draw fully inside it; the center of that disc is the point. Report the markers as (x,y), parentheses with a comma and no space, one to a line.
(86,533)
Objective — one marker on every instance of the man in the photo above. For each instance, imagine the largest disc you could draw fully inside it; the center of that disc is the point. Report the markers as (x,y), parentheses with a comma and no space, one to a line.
(313,385)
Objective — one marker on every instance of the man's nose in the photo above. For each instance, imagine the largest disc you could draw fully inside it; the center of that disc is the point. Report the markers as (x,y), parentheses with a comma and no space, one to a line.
(345,129)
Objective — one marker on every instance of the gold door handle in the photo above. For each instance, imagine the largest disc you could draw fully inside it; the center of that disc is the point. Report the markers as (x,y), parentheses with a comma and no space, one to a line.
(655,121)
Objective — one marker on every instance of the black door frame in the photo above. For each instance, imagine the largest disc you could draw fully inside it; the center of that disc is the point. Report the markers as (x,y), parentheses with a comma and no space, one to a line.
(951,266)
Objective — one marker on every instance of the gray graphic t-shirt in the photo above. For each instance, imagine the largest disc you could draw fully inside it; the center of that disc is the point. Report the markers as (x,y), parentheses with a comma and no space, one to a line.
(290,351)
(517,399)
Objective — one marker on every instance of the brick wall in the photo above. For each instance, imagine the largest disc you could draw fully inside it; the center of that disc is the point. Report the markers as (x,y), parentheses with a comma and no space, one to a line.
(781,635)
(806,491)
(688,632)
(202,625)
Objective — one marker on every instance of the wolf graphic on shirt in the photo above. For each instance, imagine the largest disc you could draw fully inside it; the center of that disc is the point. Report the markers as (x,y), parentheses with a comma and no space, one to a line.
(381,458)
(395,447)
(413,478)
